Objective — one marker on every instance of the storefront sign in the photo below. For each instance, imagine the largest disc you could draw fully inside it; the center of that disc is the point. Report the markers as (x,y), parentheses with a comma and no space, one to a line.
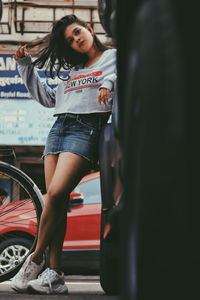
(23,121)
(11,84)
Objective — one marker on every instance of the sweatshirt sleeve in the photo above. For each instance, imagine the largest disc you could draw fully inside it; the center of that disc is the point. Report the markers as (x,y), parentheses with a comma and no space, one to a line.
(39,90)
(110,79)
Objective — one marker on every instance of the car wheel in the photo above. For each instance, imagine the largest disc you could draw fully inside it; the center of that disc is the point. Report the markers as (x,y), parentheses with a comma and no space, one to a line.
(12,253)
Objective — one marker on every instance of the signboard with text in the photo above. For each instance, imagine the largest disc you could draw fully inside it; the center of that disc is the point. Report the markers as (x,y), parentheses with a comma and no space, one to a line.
(11,84)
(23,121)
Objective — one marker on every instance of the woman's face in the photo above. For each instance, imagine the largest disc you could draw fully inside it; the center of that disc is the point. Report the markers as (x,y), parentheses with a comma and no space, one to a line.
(79,38)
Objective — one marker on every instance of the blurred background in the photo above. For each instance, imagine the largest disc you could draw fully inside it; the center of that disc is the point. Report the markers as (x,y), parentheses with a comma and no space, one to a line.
(24,124)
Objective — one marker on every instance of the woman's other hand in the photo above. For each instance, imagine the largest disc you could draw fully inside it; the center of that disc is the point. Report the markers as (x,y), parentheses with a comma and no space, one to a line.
(20,52)
(104,96)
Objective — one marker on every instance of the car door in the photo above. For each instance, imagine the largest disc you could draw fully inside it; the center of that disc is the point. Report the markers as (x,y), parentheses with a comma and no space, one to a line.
(83,229)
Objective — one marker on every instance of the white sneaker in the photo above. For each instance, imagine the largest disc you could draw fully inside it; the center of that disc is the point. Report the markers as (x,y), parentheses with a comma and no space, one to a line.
(49,282)
(28,271)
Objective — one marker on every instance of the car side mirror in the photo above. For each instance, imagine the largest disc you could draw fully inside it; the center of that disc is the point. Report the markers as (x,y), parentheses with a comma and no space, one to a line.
(76,199)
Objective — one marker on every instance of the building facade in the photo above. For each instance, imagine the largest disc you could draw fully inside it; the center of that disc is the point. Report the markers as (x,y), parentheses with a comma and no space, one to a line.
(24,124)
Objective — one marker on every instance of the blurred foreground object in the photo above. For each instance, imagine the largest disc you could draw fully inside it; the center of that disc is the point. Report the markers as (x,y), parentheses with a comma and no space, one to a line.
(107,16)
(157,131)
(1,9)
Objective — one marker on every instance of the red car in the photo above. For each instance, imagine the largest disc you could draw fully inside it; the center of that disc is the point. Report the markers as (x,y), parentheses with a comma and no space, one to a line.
(82,241)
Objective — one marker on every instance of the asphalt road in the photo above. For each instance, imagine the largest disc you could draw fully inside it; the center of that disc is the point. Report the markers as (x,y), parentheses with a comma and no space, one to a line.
(80,288)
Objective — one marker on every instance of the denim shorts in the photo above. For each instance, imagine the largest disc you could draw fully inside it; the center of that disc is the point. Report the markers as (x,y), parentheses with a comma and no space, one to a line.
(76,133)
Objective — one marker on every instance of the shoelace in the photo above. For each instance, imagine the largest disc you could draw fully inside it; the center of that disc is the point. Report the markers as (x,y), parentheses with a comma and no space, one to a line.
(23,271)
(49,282)
(46,276)
(27,268)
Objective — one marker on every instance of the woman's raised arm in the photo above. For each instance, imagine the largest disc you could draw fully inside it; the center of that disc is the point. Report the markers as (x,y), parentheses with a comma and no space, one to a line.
(39,90)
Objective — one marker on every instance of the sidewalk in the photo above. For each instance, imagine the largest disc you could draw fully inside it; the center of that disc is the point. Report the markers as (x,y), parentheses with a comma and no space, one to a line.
(80,288)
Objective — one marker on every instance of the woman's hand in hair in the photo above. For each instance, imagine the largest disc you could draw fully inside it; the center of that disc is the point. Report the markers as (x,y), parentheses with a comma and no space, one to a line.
(104,96)
(20,52)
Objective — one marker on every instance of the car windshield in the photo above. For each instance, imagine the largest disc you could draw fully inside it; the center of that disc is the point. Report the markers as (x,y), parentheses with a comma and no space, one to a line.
(91,191)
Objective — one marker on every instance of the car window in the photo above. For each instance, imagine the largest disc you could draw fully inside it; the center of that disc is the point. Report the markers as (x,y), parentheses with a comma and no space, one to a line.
(91,191)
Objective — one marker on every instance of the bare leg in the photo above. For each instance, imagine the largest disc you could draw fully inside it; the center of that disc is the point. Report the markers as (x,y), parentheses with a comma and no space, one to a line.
(56,243)
(69,170)
(50,162)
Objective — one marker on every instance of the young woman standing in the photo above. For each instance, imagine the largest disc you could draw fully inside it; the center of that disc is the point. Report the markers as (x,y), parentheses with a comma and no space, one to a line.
(82,104)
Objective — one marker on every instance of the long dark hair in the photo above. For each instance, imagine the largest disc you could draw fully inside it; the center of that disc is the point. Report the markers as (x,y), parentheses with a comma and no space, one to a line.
(57,53)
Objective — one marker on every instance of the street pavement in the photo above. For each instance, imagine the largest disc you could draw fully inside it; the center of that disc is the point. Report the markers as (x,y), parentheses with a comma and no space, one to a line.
(80,288)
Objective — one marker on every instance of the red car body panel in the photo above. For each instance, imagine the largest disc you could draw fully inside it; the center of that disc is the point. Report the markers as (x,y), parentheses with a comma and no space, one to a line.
(83,225)
(18,216)
(83,229)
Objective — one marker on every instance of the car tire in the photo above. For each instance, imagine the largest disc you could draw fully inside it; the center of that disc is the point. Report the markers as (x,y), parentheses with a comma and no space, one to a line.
(108,264)
(110,253)
(105,10)
(109,271)
(10,246)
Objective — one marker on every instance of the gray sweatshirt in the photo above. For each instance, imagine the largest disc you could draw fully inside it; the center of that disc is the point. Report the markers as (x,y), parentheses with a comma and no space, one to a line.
(80,92)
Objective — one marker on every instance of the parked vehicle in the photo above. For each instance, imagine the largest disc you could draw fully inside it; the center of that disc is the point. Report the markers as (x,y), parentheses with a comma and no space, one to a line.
(111,180)
(18,228)
(158,99)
